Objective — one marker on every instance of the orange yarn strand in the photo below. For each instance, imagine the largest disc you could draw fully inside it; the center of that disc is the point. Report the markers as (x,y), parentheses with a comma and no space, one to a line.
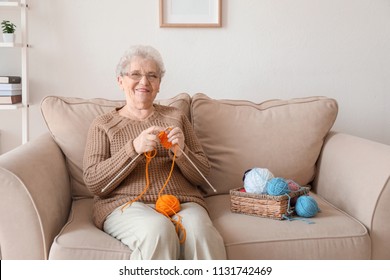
(168,205)
(148,156)
(170,172)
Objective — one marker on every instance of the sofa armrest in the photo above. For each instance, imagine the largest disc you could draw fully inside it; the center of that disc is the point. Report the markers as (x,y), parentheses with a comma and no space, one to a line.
(35,199)
(354,175)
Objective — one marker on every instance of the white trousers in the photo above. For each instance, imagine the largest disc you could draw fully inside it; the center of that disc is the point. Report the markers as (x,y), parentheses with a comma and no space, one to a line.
(151,235)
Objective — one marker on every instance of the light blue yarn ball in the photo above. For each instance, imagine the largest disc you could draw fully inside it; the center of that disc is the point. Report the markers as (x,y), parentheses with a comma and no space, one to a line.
(256,179)
(306,206)
(277,186)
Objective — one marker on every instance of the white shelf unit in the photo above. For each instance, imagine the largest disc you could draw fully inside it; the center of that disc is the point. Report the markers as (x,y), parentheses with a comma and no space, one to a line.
(22,7)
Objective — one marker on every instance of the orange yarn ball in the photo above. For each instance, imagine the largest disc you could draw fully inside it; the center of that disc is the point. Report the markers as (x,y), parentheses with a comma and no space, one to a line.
(168,205)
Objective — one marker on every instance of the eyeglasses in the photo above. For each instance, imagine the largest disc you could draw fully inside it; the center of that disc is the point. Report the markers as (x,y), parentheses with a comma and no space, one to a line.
(136,76)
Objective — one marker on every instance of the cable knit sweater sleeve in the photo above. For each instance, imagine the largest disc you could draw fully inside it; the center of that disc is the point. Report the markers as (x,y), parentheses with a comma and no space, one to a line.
(100,166)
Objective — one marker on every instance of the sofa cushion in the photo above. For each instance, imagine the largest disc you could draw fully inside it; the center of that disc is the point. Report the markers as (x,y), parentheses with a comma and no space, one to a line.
(80,239)
(68,120)
(332,234)
(284,136)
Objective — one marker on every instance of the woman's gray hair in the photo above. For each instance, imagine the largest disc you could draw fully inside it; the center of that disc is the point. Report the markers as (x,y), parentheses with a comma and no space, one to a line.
(146,52)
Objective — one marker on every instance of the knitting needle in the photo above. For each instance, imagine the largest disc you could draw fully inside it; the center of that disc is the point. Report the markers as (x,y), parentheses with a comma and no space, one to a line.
(131,162)
(120,173)
(166,144)
(193,164)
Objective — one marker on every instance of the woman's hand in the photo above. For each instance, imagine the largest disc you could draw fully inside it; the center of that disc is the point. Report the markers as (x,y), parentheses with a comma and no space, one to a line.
(148,140)
(176,137)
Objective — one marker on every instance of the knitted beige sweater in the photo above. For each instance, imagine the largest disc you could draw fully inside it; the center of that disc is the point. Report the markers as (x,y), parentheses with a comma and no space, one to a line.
(109,148)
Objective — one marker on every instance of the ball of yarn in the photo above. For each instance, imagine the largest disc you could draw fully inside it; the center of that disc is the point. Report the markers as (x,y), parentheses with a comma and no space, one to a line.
(277,186)
(306,206)
(293,186)
(168,205)
(255,180)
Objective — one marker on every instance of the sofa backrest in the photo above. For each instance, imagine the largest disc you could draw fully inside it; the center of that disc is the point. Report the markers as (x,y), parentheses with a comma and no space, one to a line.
(68,120)
(285,136)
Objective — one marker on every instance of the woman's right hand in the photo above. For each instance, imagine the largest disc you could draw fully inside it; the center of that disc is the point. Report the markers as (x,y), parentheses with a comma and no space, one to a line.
(147,141)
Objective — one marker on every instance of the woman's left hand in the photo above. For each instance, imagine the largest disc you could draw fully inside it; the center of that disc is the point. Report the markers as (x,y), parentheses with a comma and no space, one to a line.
(176,137)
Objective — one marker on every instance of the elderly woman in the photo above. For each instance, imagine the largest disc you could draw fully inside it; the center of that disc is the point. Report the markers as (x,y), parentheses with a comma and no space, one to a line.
(116,144)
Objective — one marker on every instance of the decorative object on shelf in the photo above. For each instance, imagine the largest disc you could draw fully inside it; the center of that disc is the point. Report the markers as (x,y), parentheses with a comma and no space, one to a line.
(8,31)
(10,79)
(10,90)
(10,99)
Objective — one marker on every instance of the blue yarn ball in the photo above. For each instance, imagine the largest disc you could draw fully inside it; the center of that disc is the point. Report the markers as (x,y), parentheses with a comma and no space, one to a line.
(306,206)
(255,180)
(277,186)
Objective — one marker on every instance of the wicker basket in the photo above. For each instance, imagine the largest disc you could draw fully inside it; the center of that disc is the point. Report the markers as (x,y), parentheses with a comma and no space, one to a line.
(263,205)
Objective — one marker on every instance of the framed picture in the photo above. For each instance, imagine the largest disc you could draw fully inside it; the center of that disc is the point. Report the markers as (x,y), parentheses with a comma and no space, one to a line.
(190,13)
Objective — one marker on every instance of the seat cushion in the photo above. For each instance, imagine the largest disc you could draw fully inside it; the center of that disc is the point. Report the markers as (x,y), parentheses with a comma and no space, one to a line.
(285,136)
(80,239)
(333,235)
(68,120)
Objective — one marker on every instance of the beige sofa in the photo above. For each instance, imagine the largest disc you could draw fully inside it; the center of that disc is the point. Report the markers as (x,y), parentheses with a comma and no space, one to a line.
(45,209)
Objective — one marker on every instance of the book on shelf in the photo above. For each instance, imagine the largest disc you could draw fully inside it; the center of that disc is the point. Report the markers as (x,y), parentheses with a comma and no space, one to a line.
(10,86)
(10,79)
(11,99)
(10,92)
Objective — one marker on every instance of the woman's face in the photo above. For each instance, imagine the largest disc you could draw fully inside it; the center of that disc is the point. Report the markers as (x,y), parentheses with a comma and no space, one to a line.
(141,83)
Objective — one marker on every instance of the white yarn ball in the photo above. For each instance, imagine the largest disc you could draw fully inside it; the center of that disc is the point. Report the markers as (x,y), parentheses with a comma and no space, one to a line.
(255,180)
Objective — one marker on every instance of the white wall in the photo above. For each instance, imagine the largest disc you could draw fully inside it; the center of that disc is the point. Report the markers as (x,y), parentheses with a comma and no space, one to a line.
(265,49)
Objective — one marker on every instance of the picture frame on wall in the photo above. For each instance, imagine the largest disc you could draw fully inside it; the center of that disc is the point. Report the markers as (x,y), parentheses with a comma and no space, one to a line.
(190,13)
